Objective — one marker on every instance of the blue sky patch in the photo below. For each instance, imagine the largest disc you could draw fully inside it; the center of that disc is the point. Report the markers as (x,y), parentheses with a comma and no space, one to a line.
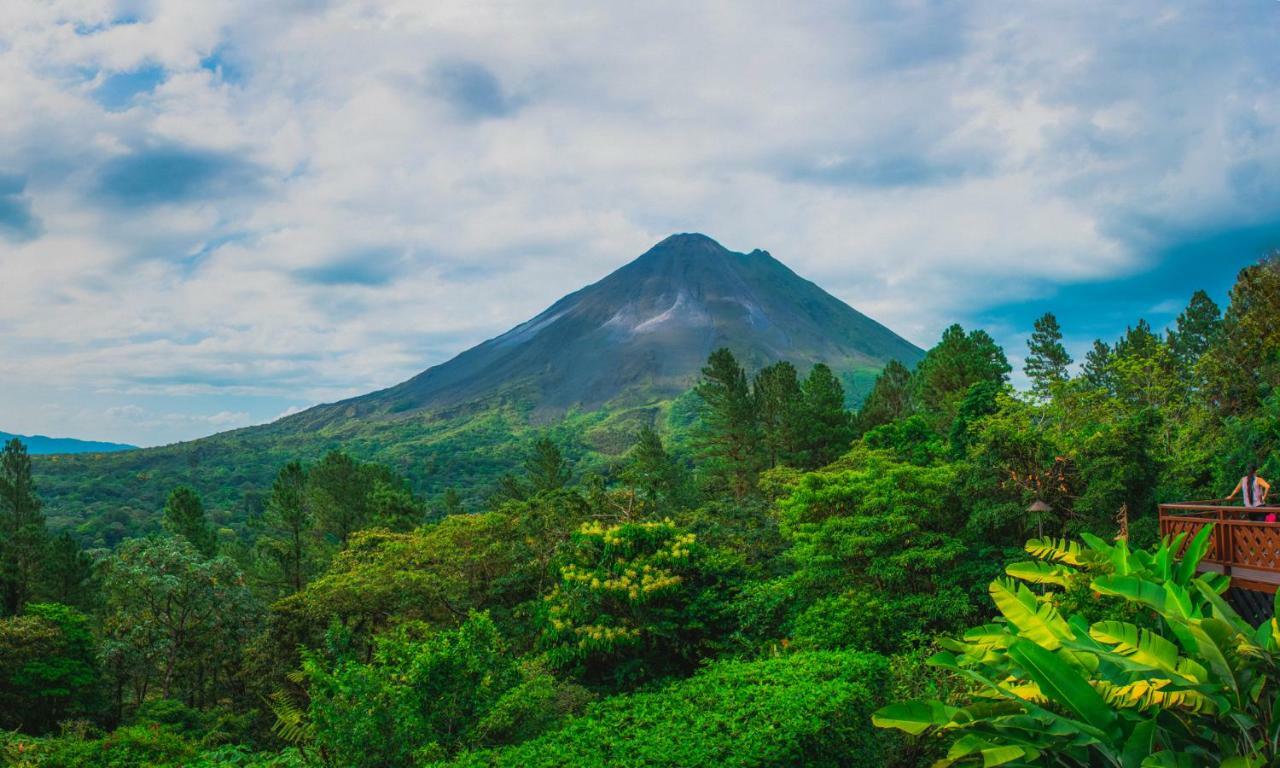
(173,175)
(17,222)
(117,92)
(472,89)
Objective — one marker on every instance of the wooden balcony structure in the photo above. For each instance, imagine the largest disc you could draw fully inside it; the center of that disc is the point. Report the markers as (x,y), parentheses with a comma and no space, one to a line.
(1243,545)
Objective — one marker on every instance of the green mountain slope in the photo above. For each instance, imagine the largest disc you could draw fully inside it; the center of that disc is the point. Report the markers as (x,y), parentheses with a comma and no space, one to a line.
(592,369)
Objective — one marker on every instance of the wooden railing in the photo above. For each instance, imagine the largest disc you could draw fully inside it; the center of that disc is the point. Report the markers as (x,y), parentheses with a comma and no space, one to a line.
(1242,539)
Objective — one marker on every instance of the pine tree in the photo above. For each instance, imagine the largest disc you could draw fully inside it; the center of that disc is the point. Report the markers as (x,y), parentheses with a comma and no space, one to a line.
(1047,360)
(1097,363)
(957,362)
(825,428)
(1195,330)
(889,399)
(289,523)
(451,503)
(339,493)
(545,468)
(656,477)
(728,433)
(68,573)
(22,529)
(776,390)
(184,516)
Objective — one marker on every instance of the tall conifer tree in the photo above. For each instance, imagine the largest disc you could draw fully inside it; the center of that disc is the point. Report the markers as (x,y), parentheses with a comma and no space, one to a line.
(22,529)
(184,516)
(729,437)
(1047,360)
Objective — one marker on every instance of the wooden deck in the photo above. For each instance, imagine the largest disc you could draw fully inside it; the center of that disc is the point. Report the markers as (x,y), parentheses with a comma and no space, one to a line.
(1243,546)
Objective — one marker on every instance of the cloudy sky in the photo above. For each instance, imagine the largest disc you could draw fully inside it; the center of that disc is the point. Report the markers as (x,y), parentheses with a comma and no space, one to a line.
(216,212)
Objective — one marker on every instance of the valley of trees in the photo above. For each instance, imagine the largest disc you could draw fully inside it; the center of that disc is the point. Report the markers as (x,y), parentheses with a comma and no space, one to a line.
(746,587)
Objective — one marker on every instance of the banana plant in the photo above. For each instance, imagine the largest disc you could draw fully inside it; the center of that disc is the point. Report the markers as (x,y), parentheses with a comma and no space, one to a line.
(1193,685)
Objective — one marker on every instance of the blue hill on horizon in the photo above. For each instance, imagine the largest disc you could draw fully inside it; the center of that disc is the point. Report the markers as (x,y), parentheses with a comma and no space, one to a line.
(39,445)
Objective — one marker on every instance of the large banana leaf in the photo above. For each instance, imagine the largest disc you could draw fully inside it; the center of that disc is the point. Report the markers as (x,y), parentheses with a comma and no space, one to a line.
(1062,684)
(1038,572)
(1196,550)
(992,754)
(1133,588)
(1142,646)
(915,717)
(1056,550)
(1036,621)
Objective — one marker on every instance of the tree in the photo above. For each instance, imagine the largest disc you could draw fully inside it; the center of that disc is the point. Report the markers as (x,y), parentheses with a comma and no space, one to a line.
(636,601)
(184,516)
(22,529)
(1243,363)
(728,436)
(422,696)
(68,573)
(1097,364)
(288,521)
(545,468)
(657,479)
(957,362)
(451,502)
(824,429)
(1195,330)
(178,618)
(393,506)
(873,550)
(776,390)
(889,399)
(339,496)
(1047,360)
(48,668)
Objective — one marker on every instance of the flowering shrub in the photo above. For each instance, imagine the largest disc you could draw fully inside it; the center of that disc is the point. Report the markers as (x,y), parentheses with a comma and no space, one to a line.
(635,601)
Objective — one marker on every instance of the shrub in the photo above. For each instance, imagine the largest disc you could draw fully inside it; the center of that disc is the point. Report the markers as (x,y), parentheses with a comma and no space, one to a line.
(808,709)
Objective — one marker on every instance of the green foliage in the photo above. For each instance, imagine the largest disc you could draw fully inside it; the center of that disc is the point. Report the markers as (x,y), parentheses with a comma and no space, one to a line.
(889,399)
(416,699)
(947,371)
(22,530)
(68,573)
(1195,331)
(658,480)
(635,601)
(1243,366)
(823,429)
(339,491)
(728,436)
(879,534)
(777,394)
(286,539)
(175,621)
(804,709)
(48,668)
(1195,684)
(184,516)
(1047,360)
(546,469)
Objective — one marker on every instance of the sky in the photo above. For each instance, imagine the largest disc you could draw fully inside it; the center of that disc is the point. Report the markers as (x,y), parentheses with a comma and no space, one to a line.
(216,213)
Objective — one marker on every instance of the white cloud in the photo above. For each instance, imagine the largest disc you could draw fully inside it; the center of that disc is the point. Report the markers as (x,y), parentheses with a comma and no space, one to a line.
(315,200)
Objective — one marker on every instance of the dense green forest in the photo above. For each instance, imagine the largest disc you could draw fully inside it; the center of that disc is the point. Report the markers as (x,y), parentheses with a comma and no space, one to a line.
(750,590)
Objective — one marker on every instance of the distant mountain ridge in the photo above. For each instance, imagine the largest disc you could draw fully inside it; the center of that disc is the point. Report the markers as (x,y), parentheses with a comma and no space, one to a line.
(642,334)
(38,445)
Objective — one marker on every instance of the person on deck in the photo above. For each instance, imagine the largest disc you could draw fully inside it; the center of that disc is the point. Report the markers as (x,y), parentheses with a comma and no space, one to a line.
(1253,489)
